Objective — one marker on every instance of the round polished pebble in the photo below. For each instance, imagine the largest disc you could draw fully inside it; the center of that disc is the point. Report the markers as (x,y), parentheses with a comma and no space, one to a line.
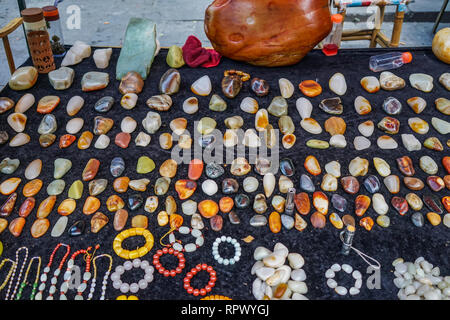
(428,165)
(338,141)
(250,184)
(209,187)
(128,125)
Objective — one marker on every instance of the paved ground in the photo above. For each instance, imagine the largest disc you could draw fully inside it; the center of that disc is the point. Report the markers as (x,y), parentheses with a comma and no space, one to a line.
(177,20)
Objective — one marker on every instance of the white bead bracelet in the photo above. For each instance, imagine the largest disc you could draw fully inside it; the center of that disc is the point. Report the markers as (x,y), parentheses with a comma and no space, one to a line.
(134,287)
(237,252)
(188,247)
(340,290)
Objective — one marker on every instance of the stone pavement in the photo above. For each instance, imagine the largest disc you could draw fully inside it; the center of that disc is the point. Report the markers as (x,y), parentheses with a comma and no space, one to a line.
(103,23)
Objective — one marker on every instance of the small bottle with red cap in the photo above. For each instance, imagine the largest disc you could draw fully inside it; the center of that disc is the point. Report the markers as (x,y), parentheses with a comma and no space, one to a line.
(389,61)
(332,41)
(51,15)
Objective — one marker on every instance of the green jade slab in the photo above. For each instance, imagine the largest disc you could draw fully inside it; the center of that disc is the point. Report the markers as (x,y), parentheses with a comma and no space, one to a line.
(139,48)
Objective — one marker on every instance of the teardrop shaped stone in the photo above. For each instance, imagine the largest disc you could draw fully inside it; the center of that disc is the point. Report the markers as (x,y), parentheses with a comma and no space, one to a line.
(135,201)
(59,227)
(104,104)
(77,229)
(417,219)
(231,85)
(287,167)
(170,82)
(339,202)
(97,186)
(306,183)
(61,167)
(117,167)
(338,84)
(76,190)
(202,86)
(98,221)
(217,103)
(17,121)
(33,170)
(48,124)
(433,203)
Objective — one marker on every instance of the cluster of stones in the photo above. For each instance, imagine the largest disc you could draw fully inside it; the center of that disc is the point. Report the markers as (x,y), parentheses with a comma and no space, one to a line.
(279,274)
(420,280)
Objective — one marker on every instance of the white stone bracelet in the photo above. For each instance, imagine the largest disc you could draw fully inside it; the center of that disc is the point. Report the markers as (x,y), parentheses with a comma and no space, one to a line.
(134,287)
(189,247)
(340,290)
(237,250)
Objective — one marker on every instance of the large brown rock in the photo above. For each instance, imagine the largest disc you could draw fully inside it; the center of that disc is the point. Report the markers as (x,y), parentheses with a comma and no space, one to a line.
(267,32)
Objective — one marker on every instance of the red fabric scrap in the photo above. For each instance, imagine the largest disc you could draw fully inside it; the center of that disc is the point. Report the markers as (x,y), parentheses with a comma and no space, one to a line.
(196,56)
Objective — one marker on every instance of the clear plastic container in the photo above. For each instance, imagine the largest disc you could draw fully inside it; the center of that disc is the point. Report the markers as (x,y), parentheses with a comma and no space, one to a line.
(332,41)
(389,61)
(51,15)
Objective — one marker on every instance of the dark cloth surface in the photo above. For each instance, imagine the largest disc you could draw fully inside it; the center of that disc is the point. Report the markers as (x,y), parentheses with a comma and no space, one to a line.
(320,248)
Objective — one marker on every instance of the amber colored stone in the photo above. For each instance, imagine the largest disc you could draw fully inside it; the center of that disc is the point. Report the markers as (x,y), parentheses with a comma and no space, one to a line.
(171,205)
(367,223)
(350,184)
(91,169)
(120,219)
(121,184)
(98,221)
(8,206)
(66,141)
(32,188)
(175,220)
(434,218)
(312,165)
(226,204)
(114,203)
(302,203)
(195,169)
(362,203)
(39,228)
(435,183)
(9,186)
(102,125)
(91,205)
(27,207)
(320,202)
(48,104)
(46,140)
(446,203)
(318,220)
(447,181)
(446,163)
(400,204)
(335,125)
(67,207)
(139,221)
(405,165)
(123,140)
(348,220)
(208,208)
(275,222)
(300,224)
(216,223)
(46,207)
(132,82)
(3,224)
(185,188)
(310,88)
(168,168)
(85,140)
(280,290)
(336,221)
(16,226)
(413,183)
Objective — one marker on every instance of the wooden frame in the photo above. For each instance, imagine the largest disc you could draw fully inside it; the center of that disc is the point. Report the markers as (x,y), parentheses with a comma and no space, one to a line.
(375,36)
(4,33)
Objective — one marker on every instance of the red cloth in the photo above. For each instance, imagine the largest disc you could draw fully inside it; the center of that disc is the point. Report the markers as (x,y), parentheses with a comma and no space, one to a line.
(196,56)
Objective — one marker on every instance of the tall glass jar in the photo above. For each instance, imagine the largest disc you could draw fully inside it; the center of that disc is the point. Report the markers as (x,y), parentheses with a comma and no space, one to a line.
(51,15)
(38,40)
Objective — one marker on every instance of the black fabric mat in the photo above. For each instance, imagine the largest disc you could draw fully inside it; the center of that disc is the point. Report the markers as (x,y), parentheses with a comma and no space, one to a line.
(320,248)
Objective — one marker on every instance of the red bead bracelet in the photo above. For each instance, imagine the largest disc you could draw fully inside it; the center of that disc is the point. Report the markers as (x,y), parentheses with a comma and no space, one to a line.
(164,271)
(193,272)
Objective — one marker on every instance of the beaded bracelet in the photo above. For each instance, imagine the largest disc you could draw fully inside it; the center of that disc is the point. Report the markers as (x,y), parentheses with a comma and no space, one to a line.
(331,273)
(164,271)
(192,273)
(140,252)
(8,276)
(14,273)
(134,287)
(216,297)
(105,278)
(56,273)
(189,247)
(36,280)
(237,250)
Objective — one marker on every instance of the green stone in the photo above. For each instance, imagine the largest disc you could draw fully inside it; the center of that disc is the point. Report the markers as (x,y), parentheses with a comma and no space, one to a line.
(139,48)
(62,166)
(278,107)
(76,190)
(1,248)
(317,144)
(8,166)
(56,187)
(175,57)
(145,165)
(217,104)
(206,125)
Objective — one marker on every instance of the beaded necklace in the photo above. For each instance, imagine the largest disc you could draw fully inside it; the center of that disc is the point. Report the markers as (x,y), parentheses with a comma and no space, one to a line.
(14,273)
(105,278)
(36,281)
(54,279)
(8,276)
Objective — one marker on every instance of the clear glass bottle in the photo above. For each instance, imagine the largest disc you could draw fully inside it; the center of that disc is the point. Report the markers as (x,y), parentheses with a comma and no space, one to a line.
(54,28)
(389,61)
(332,41)
(38,39)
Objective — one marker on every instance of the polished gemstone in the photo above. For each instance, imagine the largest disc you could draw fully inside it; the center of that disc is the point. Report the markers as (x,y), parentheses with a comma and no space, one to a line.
(46,207)
(142,139)
(94,80)
(435,183)
(102,125)
(411,143)
(332,106)
(66,141)
(170,82)
(443,105)
(91,205)
(97,186)
(39,228)
(242,201)
(310,88)
(381,166)
(304,107)
(62,78)
(6,104)
(318,220)
(114,203)
(372,184)
(19,140)
(320,202)
(287,167)
(67,207)
(389,125)
(98,221)
(76,190)
(231,85)
(230,186)
(391,82)
(311,125)
(335,125)
(441,126)
(392,106)
(104,104)
(91,169)
(418,125)
(185,188)
(358,167)
(336,221)
(120,219)
(122,140)
(302,203)
(306,183)
(162,186)
(139,185)
(85,140)
(413,183)
(362,105)
(23,78)
(3,137)
(120,184)
(17,121)
(46,140)
(135,201)
(278,107)
(418,104)
(77,229)
(56,187)
(434,218)
(312,165)
(260,87)
(16,226)
(392,183)
(433,203)
(208,208)
(300,223)
(361,143)
(9,186)
(27,207)
(433,143)
(405,165)
(370,84)
(421,81)
(61,167)
(214,170)
(160,102)
(206,125)
(240,167)
(367,223)
(74,105)
(132,82)
(362,203)
(8,206)
(117,166)
(400,204)
(175,57)
(414,201)
(350,184)
(8,166)
(260,204)
(258,221)
(387,143)
(339,202)
(32,188)
(418,219)
(226,204)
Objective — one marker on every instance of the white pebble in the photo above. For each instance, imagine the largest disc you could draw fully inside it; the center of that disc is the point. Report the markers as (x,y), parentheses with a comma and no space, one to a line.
(331,283)
(342,291)
(347,268)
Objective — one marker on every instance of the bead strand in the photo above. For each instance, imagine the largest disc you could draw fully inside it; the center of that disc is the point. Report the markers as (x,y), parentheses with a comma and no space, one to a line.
(164,271)
(192,273)
(68,275)
(218,258)
(25,283)
(8,276)
(105,277)
(14,273)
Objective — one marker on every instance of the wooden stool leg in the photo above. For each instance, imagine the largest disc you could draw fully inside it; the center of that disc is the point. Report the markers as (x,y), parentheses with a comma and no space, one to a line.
(439,17)
(397,31)
(9,55)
